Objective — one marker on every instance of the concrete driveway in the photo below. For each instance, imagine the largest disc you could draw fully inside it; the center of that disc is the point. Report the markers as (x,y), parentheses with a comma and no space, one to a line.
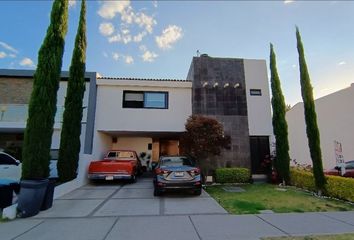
(131,212)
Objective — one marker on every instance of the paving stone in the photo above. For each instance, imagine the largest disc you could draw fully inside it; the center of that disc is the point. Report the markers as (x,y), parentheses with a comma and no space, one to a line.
(134,193)
(306,223)
(70,229)
(89,194)
(266,211)
(234,189)
(192,205)
(129,207)
(70,208)
(142,184)
(102,186)
(10,230)
(347,217)
(153,228)
(231,227)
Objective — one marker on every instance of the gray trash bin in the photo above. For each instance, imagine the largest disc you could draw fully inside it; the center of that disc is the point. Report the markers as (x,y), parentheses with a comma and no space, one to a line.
(31,197)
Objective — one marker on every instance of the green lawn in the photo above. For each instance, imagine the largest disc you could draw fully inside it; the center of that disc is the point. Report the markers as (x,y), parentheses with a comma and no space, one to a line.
(266,197)
(324,237)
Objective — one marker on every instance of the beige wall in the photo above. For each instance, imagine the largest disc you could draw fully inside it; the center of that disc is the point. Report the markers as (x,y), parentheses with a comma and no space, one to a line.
(258,107)
(111,116)
(138,144)
(335,118)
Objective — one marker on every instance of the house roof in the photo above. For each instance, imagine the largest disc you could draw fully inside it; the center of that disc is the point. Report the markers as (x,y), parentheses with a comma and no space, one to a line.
(144,79)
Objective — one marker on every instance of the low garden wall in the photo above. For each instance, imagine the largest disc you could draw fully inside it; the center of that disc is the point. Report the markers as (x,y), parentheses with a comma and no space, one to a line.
(79,181)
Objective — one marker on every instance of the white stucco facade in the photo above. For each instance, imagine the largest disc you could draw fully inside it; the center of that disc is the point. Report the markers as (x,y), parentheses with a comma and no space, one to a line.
(258,107)
(111,116)
(335,118)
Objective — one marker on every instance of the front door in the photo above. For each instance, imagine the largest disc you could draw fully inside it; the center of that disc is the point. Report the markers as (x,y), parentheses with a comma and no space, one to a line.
(169,147)
(259,149)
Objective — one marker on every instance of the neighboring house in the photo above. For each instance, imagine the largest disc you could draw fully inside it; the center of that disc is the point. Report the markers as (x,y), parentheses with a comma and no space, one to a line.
(15,93)
(335,118)
(149,115)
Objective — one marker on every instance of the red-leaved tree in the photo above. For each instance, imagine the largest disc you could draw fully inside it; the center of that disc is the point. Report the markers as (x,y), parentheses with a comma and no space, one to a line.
(204,137)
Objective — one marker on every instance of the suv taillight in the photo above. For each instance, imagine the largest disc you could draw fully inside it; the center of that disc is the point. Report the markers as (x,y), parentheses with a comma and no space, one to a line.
(160,171)
(194,171)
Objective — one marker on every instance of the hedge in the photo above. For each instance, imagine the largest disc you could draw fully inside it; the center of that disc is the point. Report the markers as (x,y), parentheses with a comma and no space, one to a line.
(232,175)
(337,187)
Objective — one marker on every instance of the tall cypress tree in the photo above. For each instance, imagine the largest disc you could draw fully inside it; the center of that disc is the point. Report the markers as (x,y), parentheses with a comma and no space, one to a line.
(71,130)
(280,126)
(312,131)
(42,105)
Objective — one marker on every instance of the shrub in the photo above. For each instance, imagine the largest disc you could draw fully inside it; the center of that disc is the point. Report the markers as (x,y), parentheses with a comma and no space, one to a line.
(232,175)
(337,187)
(302,179)
(340,187)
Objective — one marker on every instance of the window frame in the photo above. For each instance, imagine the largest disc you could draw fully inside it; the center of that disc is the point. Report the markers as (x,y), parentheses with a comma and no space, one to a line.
(256,92)
(165,93)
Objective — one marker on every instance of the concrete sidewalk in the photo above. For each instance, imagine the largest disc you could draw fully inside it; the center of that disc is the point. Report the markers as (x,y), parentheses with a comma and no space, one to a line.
(131,212)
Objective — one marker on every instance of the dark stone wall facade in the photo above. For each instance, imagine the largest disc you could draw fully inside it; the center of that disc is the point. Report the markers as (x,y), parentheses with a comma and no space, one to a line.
(219,91)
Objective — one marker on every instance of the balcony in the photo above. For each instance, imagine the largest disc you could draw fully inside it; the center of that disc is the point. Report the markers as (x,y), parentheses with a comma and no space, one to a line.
(14,116)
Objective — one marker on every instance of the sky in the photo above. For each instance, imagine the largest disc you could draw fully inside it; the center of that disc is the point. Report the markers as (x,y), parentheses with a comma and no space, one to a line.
(158,39)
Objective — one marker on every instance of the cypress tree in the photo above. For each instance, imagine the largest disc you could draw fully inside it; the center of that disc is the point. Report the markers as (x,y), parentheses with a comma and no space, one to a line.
(42,105)
(71,130)
(280,126)
(312,131)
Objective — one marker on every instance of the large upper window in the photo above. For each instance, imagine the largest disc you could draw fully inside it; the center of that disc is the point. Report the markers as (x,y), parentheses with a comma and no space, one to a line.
(132,99)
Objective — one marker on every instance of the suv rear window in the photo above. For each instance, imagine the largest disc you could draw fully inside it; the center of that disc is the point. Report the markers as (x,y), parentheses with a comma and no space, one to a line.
(176,161)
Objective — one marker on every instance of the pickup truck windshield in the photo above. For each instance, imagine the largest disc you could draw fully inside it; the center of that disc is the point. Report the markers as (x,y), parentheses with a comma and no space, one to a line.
(123,155)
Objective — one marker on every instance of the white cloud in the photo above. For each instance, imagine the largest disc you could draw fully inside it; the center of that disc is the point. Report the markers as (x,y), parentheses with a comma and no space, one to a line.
(342,63)
(3,55)
(11,55)
(105,54)
(109,9)
(27,62)
(145,21)
(129,18)
(139,37)
(129,59)
(169,36)
(294,66)
(288,1)
(115,38)
(8,47)
(126,39)
(72,3)
(106,29)
(149,56)
(115,56)
(142,48)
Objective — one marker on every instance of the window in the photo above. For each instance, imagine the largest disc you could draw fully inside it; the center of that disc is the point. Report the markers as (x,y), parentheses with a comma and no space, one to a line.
(145,100)
(7,160)
(255,92)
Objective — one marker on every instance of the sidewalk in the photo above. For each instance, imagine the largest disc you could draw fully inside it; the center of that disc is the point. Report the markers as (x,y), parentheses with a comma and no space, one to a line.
(130,212)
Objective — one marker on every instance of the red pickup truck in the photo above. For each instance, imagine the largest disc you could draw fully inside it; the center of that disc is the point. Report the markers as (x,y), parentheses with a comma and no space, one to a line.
(118,164)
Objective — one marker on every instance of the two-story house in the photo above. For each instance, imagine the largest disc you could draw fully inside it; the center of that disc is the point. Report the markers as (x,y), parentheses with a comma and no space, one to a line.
(148,115)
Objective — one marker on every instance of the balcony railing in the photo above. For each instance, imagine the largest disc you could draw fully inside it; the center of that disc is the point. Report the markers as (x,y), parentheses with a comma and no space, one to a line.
(19,113)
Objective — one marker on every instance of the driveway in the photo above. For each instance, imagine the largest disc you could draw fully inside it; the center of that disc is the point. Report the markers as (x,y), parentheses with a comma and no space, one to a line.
(131,212)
